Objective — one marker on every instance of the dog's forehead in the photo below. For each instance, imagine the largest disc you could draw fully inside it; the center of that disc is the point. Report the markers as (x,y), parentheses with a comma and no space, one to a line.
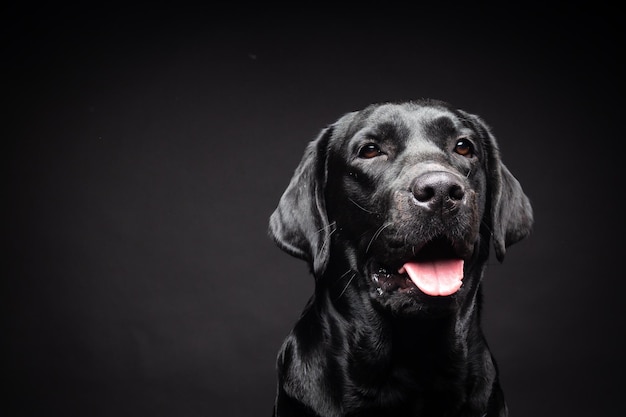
(416,118)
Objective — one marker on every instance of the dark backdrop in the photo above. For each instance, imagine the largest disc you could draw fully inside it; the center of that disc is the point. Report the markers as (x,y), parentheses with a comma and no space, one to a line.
(147,149)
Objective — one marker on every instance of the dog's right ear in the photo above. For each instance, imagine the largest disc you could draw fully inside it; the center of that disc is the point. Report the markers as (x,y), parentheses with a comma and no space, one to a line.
(299,225)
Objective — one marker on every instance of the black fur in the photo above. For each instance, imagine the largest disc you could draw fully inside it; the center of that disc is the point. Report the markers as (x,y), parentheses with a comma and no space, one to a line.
(363,201)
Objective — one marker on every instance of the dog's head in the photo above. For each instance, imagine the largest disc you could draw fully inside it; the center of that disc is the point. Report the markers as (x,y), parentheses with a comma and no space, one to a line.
(407,196)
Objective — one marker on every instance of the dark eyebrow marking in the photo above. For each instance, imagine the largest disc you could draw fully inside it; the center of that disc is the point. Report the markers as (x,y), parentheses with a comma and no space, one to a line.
(392,130)
(442,126)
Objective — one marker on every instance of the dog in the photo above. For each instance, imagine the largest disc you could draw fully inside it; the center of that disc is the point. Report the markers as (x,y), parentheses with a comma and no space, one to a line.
(395,208)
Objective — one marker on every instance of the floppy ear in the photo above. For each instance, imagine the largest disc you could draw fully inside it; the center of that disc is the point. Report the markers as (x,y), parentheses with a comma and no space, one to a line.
(511,212)
(299,225)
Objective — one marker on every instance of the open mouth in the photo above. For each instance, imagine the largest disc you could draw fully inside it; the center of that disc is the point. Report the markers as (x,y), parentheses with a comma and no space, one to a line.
(436,270)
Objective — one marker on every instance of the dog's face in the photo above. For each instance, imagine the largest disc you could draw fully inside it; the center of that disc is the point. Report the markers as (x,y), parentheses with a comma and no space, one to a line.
(406,189)
(406,197)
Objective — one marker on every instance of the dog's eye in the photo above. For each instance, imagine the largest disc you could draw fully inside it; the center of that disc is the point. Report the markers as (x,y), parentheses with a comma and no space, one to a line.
(371,150)
(464,148)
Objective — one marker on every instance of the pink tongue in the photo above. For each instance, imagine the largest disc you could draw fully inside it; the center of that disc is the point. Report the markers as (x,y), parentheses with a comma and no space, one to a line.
(442,277)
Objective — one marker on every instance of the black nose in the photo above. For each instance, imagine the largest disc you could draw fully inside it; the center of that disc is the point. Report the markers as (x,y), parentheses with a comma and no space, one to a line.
(438,190)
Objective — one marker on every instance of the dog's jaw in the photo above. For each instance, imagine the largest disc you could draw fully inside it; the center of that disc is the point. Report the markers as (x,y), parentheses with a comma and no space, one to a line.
(392,286)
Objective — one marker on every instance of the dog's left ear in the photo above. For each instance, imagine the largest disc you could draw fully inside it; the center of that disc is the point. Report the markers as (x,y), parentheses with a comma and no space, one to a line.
(511,212)
(299,225)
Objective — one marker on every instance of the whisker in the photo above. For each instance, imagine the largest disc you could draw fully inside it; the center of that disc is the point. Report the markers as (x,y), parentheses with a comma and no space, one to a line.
(345,273)
(327,227)
(347,285)
(362,208)
(378,232)
(327,239)
(342,276)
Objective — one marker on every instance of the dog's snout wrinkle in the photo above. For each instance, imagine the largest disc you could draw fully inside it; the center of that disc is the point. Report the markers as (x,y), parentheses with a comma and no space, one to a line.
(438,189)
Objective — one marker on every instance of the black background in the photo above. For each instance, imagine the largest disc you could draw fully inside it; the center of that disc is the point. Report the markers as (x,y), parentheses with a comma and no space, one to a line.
(147,149)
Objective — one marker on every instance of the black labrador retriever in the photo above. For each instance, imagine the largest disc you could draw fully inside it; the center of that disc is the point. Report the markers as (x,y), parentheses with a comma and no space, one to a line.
(394,208)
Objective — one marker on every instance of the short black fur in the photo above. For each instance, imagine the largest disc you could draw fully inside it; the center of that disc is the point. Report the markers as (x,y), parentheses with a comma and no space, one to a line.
(370,342)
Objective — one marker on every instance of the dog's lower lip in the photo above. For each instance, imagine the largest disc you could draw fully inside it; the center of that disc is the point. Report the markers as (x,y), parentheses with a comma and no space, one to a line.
(388,281)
